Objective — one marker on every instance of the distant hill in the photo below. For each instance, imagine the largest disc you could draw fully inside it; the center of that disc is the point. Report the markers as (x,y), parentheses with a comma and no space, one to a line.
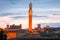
(51,24)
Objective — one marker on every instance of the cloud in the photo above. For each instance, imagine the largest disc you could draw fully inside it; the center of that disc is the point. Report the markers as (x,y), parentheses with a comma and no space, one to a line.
(24,21)
(16,17)
(56,14)
(14,10)
(20,16)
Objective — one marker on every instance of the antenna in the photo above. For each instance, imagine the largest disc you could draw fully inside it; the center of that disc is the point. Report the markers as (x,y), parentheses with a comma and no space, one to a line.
(30,1)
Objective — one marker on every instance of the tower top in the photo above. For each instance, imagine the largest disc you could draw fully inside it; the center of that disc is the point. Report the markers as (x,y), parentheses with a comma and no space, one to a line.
(30,3)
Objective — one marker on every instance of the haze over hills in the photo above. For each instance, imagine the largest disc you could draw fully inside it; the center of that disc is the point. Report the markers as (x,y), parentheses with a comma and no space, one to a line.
(50,24)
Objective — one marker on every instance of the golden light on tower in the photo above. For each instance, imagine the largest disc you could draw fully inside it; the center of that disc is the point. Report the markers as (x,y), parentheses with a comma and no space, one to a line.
(30,16)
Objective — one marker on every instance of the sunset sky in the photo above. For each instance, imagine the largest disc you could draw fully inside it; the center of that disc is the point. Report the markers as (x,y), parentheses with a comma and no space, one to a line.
(16,12)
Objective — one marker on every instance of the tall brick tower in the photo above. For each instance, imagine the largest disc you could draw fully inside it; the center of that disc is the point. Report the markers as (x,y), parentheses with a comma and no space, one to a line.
(30,16)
